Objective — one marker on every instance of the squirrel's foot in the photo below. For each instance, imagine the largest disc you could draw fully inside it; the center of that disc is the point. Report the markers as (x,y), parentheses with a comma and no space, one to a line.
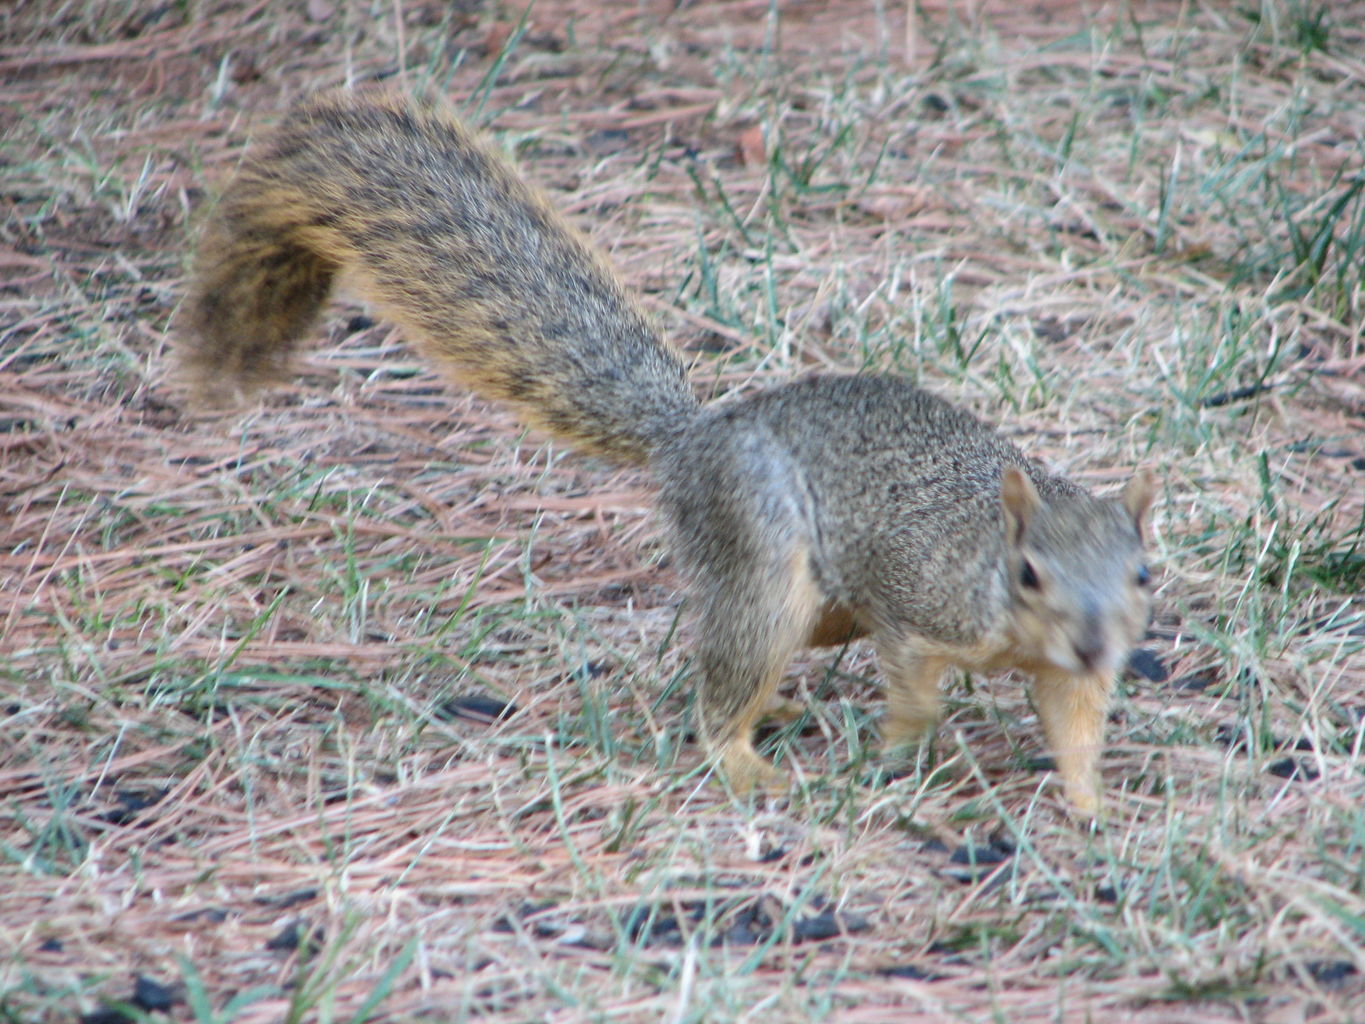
(745,771)
(903,733)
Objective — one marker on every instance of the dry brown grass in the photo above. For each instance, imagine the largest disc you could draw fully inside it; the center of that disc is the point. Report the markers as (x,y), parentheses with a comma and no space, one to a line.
(239,655)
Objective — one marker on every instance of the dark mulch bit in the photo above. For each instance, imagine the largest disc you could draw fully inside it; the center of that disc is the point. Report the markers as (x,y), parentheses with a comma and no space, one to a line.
(476,707)
(1147,664)
(911,972)
(108,1015)
(1331,972)
(934,106)
(289,899)
(1230,737)
(131,805)
(1195,682)
(1241,394)
(205,915)
(148,997)
(1054,329)
(296,935)
(151,995)
(827,925)
(971,863)
(1298,769)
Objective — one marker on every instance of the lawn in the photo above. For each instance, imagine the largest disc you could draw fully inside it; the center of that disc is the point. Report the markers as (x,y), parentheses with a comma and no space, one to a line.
(360,702)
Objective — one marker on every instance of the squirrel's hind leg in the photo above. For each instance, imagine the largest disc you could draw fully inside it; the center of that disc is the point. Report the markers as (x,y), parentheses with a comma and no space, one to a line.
(912,694)
(753,619)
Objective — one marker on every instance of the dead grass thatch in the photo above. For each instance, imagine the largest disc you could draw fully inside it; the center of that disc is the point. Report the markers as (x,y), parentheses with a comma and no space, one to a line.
(362,704)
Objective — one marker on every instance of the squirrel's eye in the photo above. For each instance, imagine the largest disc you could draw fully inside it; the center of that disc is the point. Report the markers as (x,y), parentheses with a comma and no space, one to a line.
(1027,577)
(1143,576)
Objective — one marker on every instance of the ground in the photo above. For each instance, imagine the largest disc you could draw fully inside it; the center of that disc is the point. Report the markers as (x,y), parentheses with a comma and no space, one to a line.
(362,703)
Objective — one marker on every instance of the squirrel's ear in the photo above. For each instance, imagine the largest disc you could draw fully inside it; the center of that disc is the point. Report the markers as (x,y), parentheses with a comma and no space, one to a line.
(1137,496)
(1020,500)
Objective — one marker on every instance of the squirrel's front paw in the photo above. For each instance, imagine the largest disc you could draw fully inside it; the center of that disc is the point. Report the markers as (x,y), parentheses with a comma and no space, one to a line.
(1084,798)
(745,771)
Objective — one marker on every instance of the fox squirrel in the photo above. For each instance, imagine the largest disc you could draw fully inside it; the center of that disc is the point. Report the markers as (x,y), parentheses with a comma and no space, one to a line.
(823,509)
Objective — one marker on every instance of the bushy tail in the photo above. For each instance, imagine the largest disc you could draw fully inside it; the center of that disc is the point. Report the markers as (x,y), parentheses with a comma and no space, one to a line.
(442,236)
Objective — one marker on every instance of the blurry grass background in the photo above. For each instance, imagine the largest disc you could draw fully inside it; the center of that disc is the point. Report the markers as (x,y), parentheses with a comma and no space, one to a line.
(365,705)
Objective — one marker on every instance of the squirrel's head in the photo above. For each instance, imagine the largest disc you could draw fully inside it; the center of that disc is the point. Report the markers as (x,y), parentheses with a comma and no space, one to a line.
(1080,588)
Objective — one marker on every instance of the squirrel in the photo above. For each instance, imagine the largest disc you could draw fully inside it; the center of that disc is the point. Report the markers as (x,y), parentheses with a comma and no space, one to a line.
(814,512)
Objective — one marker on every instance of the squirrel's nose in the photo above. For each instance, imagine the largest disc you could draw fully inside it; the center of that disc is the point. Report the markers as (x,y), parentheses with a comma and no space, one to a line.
(1090,646)
(1089,653)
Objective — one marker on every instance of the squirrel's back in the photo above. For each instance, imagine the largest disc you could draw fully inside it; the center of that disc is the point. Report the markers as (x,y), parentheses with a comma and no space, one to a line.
(441,235)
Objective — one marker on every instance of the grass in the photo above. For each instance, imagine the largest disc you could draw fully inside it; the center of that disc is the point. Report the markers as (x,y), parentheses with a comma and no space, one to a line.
(366,705)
